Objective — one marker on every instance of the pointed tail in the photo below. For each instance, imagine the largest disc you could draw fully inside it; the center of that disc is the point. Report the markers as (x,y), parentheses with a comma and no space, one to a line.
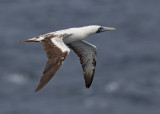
(30,40)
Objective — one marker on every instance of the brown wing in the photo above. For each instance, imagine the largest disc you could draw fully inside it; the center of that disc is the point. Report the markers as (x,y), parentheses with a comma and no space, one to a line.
(56,52)
(87,54)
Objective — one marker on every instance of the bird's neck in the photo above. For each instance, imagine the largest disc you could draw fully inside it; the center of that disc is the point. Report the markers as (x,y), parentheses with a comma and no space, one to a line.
(83,32)
(77,34)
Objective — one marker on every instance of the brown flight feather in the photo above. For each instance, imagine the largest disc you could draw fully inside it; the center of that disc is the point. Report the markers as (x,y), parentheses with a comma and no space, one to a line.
(55,59)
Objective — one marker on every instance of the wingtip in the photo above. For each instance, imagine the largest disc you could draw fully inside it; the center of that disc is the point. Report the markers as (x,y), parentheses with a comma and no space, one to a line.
(39,86)
(88,86)
(88,82)
(36,90)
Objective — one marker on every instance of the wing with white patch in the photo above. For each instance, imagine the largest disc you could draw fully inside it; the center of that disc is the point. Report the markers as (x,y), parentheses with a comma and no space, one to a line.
(87,54)
(56,52)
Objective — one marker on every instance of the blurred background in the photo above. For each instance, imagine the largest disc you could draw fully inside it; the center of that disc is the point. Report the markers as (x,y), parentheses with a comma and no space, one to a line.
(127,78)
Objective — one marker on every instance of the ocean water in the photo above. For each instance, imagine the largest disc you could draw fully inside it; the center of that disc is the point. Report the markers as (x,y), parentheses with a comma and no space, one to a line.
(127,78)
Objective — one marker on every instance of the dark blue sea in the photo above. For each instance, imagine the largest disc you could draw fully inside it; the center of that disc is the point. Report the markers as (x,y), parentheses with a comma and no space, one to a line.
(127,77)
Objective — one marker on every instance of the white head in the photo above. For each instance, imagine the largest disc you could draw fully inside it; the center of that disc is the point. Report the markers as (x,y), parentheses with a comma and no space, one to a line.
(92,29)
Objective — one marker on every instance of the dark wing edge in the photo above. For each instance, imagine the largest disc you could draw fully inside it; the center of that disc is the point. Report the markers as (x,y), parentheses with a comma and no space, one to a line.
(87,54)
(55,60)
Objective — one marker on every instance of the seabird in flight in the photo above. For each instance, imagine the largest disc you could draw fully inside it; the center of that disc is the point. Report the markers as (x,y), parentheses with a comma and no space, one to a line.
(55,45)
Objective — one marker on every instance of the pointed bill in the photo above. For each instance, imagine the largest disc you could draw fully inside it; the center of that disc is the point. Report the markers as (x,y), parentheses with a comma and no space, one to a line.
(107,29)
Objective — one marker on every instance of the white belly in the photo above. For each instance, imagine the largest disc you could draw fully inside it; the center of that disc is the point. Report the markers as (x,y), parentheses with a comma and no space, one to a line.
(73,38)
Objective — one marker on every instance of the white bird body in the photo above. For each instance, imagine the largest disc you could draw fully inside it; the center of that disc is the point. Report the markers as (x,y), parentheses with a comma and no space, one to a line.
(75,34)
(56,50)
(78,33)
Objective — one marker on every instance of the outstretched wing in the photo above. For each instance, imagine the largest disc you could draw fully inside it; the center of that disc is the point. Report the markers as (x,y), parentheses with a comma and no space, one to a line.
(87,54)
(56,52)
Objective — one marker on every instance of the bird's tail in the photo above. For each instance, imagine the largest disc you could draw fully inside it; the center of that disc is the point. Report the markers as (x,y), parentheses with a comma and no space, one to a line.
(30,40)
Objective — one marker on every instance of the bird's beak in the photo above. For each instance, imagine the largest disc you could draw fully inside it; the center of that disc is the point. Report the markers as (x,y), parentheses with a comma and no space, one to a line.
(107,29)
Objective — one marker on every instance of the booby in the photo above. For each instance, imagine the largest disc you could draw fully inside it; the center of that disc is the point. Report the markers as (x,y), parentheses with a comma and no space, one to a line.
(56,47)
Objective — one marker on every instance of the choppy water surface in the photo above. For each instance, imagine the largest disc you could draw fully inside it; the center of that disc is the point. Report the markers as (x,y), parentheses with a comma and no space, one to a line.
(127,78)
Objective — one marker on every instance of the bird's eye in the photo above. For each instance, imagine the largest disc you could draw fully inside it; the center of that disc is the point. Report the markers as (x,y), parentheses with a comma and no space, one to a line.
(99,30)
